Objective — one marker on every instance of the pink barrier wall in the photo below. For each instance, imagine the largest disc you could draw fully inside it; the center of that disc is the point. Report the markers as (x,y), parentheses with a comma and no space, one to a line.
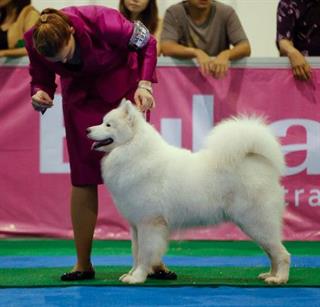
(34,170)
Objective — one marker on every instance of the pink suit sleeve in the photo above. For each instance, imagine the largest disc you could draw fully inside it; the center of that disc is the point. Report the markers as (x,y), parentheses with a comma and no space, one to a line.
(42,78)
(117,30)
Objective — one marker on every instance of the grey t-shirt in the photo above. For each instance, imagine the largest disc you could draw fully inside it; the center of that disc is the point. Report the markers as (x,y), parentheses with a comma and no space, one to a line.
(217,33)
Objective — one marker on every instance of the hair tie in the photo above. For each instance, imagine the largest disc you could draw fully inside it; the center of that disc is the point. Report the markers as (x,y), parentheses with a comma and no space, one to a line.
(44,18)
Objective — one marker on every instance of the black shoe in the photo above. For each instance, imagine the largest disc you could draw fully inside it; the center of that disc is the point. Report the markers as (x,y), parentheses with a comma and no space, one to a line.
(164,275)
(78,275)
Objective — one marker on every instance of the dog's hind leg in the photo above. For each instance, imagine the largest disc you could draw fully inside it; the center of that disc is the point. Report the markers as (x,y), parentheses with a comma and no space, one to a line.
(263,225)
(153,237)
(280,263)
(134,250)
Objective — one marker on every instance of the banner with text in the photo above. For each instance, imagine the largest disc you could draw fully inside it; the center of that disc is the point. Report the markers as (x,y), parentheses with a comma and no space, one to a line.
(34,169)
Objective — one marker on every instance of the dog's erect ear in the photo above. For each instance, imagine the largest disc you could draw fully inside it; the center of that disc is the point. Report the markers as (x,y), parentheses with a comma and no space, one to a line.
(124,102)
(129,110)
(126,105)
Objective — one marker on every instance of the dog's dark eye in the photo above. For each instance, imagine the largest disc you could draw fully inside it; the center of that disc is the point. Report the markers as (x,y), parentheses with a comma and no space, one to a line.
(108,125)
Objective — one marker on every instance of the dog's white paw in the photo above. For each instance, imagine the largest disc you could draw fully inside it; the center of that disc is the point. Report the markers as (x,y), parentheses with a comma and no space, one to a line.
(129,273)
(130,279)
(138,276)
(276,280)
(123,276)
(264,276)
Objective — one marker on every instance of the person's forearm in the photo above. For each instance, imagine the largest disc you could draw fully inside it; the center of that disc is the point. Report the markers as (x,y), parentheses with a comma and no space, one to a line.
(239,51)
(148,60)
(174,49)
(16,52)
(286,47)
(42,77)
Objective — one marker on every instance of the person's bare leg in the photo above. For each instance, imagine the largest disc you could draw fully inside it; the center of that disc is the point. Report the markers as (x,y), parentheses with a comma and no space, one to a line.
(84,211)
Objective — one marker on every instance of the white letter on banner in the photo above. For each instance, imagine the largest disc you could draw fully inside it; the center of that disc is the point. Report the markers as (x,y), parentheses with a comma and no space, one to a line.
(312,146)
(202,119)
(314,199)
(202,123)
(171,131)
(52,134)
(297,194)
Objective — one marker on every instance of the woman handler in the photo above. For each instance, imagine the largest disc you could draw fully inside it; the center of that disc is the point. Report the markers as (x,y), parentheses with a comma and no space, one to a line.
(101,57)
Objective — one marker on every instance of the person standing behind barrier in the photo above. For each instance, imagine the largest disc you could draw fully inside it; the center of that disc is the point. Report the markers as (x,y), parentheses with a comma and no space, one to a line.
(147,12)
(16,17)
(298,33)
(101,57)
(204,30)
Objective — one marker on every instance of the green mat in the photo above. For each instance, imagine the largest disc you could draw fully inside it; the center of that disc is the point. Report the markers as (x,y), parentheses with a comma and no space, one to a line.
(187,276)
(48,247)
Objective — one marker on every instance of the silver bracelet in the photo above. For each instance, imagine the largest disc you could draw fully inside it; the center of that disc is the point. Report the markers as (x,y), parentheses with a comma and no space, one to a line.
(148,88)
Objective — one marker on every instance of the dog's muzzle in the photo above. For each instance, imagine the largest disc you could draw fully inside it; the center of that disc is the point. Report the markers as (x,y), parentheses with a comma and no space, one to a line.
(99,144)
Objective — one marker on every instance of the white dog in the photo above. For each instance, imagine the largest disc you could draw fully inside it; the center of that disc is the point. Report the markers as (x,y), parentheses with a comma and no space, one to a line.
(159,187)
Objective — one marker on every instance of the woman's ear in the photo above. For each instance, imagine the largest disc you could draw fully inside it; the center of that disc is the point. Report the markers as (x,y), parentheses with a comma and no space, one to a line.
(72,30)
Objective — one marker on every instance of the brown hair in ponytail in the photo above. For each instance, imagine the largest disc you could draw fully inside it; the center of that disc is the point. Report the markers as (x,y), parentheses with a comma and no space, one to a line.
(51,32)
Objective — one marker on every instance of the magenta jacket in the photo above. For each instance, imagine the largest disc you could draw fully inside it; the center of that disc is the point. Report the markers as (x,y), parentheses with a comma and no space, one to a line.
(103,35)
(110,71)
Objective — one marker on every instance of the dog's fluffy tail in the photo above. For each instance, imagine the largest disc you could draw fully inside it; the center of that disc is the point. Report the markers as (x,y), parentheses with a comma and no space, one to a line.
(233,139)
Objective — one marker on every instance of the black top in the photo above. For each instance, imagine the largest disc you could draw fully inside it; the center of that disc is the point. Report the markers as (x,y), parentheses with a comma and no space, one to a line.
(3,39)
(75,64)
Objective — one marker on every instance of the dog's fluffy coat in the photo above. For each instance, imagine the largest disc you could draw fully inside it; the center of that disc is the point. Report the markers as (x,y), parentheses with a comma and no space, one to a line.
(159,187)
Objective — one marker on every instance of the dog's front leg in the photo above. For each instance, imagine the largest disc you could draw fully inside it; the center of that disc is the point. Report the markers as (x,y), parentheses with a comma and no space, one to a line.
(134,251)
(152,244)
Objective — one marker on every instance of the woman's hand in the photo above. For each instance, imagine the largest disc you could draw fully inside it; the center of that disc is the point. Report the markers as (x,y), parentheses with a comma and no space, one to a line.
(300,67)
(143,96)
(41,101)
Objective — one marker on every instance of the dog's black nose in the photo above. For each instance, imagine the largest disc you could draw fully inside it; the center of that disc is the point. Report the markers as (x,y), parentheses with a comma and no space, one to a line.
(88,130)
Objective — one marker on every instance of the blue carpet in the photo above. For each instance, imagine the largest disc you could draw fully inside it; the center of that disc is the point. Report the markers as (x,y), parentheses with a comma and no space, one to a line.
(143,297)
(233,261)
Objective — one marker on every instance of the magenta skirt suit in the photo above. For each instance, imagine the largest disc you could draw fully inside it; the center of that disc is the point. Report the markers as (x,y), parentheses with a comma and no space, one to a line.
(110,70)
